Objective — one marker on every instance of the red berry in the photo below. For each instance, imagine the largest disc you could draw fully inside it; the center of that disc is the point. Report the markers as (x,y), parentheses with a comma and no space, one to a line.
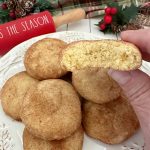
(113,10)
(108,19)
(12,15)
(4,6)
(107,10)
(102,26)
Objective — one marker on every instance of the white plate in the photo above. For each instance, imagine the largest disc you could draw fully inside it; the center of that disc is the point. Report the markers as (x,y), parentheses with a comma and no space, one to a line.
(11,131)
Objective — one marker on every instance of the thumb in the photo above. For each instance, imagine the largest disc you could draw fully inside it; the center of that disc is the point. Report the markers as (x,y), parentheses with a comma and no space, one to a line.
(135,84)
(136,87)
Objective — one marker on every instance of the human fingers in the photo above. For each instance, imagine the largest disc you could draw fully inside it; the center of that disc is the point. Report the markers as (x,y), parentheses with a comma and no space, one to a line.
(136,86)
(141,38)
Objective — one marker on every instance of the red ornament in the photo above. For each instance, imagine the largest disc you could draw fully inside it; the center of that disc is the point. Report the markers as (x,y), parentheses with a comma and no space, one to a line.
(102,26)
(108,19)
(107,11)
(4,6)
(113,10)
(12,15)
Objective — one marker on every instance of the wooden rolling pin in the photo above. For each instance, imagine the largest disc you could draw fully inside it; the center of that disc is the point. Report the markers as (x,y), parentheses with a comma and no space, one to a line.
(15,32)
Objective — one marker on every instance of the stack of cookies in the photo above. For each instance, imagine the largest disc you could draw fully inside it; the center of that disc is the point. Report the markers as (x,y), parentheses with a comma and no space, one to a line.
(54,103)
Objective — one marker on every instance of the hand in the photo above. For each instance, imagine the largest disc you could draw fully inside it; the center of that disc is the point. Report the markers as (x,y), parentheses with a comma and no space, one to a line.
(136,84)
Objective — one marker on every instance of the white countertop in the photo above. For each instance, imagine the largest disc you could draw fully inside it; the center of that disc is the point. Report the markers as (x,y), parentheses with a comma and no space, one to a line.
(86,25)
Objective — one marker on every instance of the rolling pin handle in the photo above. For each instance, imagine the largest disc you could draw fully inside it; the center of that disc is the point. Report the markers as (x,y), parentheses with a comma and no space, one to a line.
(69,17)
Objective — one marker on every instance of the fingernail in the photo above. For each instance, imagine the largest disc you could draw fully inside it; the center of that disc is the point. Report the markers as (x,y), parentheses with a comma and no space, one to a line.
(122,77)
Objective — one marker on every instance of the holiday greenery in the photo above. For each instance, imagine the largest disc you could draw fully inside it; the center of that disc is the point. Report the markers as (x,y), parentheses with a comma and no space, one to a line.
(118,18)
(13,9)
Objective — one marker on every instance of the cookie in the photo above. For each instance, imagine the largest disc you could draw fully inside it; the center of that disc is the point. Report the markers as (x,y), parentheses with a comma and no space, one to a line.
(51,110)
(112,122)
(42,59)
(118,55)
(94,84)
(13,92)
(73,142)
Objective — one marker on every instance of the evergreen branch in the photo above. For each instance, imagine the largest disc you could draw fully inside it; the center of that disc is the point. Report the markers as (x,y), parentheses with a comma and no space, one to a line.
(39,6)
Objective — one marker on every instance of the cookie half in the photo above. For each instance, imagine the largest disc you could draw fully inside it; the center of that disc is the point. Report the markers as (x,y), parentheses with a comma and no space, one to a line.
(118,55)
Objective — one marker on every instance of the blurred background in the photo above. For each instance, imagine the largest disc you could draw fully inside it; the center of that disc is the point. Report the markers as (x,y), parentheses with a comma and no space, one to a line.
(13,9)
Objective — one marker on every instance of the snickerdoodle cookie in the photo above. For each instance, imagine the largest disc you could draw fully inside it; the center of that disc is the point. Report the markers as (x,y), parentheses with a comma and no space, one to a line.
(42,59)
(51,110)
(111,122)
(94,84)
(13,92)
(73,142)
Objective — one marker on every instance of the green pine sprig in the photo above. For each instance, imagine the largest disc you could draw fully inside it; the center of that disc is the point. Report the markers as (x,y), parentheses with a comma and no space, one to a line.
(129,12)
(39,6)
(4,14)
(42,5)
